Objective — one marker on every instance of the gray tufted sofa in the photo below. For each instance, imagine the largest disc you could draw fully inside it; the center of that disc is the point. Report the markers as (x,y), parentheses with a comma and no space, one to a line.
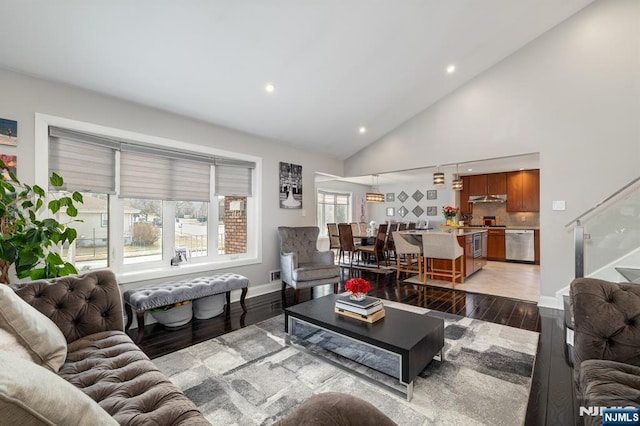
(607,344)
(302,264)
(101,360)
(143,299)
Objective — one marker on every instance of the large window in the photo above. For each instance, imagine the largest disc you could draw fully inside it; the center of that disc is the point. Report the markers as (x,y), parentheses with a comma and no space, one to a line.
(145,203)
(333,207)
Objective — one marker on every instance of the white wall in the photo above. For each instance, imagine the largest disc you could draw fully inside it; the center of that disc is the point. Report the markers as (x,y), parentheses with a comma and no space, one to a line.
(22,97)
(573,95)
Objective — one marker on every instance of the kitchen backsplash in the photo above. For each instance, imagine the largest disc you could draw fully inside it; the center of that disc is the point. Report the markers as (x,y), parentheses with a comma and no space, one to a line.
(506,218)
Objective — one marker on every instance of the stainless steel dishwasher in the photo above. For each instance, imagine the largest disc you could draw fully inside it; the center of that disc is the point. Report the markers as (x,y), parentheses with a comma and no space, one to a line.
(519,245)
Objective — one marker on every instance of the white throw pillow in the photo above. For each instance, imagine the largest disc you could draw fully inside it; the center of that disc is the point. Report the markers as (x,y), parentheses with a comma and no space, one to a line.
(9,343)
(32,395)
(34,331)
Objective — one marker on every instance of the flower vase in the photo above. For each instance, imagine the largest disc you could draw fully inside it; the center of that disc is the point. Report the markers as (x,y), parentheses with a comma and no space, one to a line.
(450,222)
(358,296)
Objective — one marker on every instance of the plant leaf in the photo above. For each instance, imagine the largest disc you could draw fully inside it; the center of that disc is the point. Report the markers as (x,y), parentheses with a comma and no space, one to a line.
(38,190)
(72,211)
(56,180)
(78,197)
(54,206)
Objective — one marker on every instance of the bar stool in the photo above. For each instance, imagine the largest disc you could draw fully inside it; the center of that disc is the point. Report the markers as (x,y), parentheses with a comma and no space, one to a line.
(410,251)
(442,245)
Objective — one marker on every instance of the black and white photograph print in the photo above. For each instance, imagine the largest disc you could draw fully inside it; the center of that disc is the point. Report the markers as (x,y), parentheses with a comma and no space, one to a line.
(432,194)
(290,186)
(8,132)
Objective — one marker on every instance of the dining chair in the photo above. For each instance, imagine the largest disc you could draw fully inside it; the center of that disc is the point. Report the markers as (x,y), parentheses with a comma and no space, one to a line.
(412,225)
(377,249)
(345,235)
(442,245)
(390,248)
(334,238)
(402,226)
(412,254)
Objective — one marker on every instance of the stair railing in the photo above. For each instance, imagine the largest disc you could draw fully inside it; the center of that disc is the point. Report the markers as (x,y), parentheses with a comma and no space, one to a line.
(601,208)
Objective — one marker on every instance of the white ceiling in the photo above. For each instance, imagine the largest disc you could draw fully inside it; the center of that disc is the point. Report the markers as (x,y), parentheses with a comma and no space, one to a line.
(336,64)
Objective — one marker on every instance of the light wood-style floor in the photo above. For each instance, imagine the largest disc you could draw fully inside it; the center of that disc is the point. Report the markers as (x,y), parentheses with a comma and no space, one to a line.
(512,280)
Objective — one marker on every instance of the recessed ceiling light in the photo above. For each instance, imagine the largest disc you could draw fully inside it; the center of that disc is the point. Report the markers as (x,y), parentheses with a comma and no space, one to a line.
(521,168)
(451,69)
(362,129)
(270,87)
(469,170)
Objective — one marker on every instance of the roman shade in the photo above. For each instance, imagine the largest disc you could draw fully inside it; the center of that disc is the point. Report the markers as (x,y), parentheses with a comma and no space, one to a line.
(86,162)
(233,177)
(163,175)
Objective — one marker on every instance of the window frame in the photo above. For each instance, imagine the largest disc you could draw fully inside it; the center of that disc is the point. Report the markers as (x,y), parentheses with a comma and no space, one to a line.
(349,204)
(158,269)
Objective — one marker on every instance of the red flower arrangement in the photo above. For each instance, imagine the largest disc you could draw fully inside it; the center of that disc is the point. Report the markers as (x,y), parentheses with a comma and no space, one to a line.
(357,285)
(449,212)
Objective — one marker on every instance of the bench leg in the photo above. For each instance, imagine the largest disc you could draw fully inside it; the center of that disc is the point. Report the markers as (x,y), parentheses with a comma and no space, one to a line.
(127,309)
(228,307)
(335,288)
(242,297)
(140,316)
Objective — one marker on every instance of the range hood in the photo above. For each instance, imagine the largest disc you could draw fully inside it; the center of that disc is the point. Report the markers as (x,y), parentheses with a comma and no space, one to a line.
(488,199)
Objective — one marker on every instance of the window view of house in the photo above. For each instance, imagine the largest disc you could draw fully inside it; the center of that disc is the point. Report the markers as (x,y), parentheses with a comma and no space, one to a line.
(142,230)
(192,227)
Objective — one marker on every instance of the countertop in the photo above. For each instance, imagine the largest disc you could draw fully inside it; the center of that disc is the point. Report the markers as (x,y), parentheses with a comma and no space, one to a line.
(500,227)
(455,231)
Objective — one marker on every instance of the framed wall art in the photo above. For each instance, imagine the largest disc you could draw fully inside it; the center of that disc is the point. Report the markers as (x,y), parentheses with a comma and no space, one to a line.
(390,197)
(432,194)
(290,186)
(11,161)
(8,132)
(432,211)
(391,212)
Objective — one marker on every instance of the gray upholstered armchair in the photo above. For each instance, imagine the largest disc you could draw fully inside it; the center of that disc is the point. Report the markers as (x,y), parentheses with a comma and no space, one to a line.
(301,264)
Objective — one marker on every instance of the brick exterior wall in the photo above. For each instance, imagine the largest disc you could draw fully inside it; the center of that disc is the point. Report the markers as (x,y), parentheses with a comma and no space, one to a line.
(235,226)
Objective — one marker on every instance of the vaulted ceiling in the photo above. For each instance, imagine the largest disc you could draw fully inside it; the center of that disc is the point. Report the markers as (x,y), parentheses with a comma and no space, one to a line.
(337,65)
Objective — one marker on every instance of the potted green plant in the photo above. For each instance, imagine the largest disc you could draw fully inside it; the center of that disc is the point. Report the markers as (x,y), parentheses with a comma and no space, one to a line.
(28,239)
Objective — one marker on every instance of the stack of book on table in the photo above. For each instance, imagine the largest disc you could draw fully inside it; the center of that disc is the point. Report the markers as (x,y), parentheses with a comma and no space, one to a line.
(370,309)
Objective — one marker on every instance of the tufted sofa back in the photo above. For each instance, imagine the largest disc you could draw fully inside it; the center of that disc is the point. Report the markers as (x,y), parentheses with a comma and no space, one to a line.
(78,305)
(301,240)
(607,321)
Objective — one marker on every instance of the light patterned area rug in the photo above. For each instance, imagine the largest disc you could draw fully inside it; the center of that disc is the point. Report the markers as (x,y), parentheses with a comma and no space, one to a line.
(250,377)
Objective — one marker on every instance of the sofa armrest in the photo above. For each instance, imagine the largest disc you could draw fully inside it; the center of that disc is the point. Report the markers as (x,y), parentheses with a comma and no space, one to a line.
(607,321)
(78,305)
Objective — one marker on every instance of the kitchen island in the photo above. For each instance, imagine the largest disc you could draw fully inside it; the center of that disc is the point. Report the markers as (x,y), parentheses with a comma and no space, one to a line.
(473,242)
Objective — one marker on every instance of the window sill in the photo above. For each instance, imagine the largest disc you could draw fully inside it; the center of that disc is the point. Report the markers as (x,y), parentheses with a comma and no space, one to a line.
(176,271)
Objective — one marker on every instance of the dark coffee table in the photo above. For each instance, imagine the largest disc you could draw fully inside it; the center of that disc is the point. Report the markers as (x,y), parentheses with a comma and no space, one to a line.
(415,339)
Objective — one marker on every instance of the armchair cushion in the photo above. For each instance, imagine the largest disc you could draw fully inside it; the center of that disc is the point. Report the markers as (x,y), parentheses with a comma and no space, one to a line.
(312,272)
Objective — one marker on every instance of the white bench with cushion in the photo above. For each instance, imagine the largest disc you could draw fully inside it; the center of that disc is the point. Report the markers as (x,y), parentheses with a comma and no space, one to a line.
(155,296)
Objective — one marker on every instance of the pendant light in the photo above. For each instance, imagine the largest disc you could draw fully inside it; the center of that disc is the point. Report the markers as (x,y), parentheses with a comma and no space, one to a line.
(456,183)
(438,177)
(374,196)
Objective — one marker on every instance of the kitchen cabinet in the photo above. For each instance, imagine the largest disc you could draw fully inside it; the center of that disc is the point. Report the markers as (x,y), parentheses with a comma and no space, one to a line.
(496,183)
(523,191)
(495,245)
(465,206)
(477,185)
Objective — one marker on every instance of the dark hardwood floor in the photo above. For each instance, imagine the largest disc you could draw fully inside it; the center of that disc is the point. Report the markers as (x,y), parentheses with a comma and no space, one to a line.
(550,401)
